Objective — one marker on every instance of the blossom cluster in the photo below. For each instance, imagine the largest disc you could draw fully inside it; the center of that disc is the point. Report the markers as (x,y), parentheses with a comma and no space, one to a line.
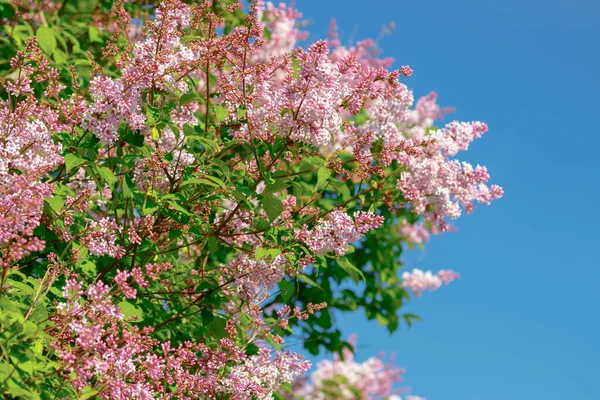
(97,345)
(337,231)
(418,281)
(27,155)
(172,198)
(346,378)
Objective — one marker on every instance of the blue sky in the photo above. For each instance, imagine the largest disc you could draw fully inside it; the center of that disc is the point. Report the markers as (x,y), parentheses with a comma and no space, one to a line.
(523,321)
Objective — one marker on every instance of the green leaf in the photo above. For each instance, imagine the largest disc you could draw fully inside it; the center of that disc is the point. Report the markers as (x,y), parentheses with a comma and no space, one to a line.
(107,175)
(56,203)
(178,207)
(278,186)
(357,393)
(260,253)
(306,279)
(295,68)
(130,310)
(261,224)
(221,113)
(217,327)
(94,34)
(208,180)
(350,269)
(287,290)
(7,11)
(155,134)
(267,34)
(72,161)
(273,253)
(88,268)
(60,57)
(273,206)
(322,176)
(241,113)
(88,393)
(324,319)
(408,318)
(46,39)
(188,130)
(207,317)
(127,193)
(392,323)
(23,288)
(17,391)
(361,118)
(251,349)
(86,6)
(188,98)
(30,329)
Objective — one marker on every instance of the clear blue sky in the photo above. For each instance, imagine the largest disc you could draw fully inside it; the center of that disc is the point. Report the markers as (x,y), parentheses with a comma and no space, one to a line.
(523,322)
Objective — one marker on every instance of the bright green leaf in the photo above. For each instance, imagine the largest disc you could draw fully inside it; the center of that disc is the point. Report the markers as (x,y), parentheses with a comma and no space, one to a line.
(46,39)
(273,206)
(322,175)
(72,161)
(88,393)
(155,134)
(129,310)
(94,34)
(56,203)
(107,175)
(221,113)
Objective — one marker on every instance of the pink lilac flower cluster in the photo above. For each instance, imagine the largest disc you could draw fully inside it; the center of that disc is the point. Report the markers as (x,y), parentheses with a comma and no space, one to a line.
(371,380)
(100,238)
(306,96)
(434,184)
(414,233)
(262,375)
(162,178)
(281,22)
(160,58)
(436,187)
(307,103)
(158,61)
(418,281)
(333,84)
(112,102)
(27,154)
(337,230)
(125,362)
(251,277)
(235,232)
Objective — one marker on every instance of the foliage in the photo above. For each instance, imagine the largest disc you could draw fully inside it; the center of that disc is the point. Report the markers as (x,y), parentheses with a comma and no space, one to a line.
(183,187)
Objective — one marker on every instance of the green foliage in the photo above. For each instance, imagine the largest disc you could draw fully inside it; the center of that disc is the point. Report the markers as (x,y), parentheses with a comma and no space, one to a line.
(365,279)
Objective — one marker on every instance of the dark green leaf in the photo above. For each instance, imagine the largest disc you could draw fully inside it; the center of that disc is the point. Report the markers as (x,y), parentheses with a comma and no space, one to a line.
(351,270)
(287,290)
(306,279)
